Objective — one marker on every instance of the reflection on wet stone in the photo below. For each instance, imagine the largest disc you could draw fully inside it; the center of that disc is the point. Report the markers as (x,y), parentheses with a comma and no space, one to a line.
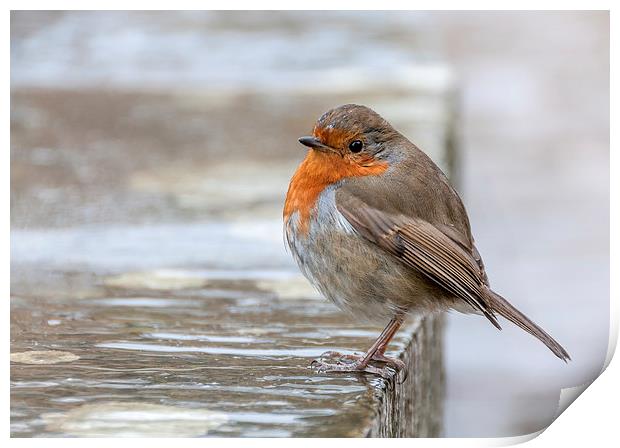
(43,357)
(123,419)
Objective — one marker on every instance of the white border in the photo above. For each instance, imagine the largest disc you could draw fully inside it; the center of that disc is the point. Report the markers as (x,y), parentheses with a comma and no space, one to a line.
(592,419)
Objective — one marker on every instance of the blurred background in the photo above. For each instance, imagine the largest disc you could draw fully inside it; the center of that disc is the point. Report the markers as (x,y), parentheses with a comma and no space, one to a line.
(175,134)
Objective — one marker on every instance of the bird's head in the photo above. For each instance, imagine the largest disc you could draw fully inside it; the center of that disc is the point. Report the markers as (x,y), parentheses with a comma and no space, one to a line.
(354,133)
(349,141)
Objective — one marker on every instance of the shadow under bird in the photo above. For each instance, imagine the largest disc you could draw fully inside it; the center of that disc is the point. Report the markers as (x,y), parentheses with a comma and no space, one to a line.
(377,228)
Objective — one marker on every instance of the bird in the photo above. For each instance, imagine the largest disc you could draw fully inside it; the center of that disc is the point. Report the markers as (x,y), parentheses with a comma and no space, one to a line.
(375,225)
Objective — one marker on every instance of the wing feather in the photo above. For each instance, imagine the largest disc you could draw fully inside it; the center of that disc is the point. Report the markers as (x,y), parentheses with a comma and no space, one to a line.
(425,248)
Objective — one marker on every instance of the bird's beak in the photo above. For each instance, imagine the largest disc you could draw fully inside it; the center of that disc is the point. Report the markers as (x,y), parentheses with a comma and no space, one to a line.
(314,143)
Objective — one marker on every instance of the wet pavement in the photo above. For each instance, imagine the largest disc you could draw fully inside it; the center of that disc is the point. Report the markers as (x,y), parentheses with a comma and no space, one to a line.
(195,353)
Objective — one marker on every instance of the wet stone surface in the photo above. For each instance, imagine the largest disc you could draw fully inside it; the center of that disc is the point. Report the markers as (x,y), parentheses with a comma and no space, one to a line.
(228,359)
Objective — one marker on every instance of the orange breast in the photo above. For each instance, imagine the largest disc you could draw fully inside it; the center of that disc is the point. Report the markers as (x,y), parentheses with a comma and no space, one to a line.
(317,171)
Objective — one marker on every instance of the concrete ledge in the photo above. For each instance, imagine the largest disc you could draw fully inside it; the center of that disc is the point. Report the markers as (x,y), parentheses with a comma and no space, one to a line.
(205,355)
(414,408)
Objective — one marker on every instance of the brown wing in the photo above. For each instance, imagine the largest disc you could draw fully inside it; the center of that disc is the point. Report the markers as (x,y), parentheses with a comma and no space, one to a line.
(423,247)
(467,246)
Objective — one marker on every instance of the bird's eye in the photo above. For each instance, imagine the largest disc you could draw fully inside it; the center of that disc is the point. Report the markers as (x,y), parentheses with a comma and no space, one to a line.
(356,146)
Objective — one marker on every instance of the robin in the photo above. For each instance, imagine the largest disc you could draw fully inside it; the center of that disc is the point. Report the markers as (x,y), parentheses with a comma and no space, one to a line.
(377,228)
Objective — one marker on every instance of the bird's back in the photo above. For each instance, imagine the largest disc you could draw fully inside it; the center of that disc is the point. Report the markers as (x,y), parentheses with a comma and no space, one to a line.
(414,186)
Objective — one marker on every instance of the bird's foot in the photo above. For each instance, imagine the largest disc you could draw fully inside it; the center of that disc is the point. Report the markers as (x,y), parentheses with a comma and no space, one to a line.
(342,363)
(395,363)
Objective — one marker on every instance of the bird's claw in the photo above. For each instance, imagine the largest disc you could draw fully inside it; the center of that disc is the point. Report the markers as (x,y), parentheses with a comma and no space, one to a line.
(392,366)
(395,363)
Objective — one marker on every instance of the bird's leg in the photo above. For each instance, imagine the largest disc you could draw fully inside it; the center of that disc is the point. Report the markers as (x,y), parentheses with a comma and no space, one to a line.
(379,355)
(362,363)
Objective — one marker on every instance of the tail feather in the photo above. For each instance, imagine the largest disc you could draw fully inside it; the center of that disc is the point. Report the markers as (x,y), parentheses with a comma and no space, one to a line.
(506,310)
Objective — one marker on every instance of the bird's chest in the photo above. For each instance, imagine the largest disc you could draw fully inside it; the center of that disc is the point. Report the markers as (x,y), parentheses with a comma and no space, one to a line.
(342,265)
(316,236)
(336,260)
(317,240)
